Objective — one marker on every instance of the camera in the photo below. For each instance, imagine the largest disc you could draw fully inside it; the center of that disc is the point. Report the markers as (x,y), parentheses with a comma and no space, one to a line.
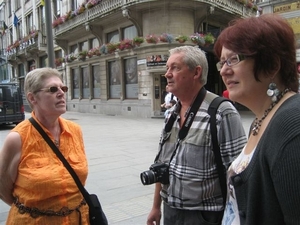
(159,172)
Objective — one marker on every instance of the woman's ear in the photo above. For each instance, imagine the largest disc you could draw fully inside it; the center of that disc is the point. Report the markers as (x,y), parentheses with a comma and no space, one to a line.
(31,98)
(276,67)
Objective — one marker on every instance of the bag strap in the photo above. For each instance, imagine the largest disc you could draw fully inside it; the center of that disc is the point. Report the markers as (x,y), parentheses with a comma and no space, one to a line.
(212,111)
(83,191)
(186,124)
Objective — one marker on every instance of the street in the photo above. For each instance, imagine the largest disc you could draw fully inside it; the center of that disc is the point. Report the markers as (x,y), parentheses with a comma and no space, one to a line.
(118,149)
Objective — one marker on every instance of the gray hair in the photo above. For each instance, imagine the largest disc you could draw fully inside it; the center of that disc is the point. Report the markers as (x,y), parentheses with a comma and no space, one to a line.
(193,57)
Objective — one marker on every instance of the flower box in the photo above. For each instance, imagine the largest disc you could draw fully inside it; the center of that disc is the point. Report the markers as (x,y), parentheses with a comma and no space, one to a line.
(181,38)
(137,41)
(126,44)
(166,38)
(198,39)
(151,38)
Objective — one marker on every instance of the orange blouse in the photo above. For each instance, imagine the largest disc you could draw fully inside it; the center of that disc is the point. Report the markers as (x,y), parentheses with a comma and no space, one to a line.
(43,182)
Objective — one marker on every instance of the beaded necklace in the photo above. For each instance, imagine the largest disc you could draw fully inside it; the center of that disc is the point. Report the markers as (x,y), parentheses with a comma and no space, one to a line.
(257,123)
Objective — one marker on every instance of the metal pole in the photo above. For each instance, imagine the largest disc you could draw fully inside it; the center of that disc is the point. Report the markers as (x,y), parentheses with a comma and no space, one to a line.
(49,38)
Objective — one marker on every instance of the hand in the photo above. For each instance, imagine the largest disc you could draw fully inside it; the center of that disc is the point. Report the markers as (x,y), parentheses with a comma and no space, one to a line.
(154,217)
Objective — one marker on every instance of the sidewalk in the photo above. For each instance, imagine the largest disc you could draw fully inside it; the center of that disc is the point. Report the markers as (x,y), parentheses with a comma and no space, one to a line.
(118,150)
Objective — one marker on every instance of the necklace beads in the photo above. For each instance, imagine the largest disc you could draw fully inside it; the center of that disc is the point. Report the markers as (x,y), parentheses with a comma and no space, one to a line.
(257,122)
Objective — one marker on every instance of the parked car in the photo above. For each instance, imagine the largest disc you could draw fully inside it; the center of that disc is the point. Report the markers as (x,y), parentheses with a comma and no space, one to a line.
(11,104)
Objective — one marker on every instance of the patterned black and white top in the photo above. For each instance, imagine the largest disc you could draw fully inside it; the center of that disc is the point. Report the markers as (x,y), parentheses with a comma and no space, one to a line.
(194,183)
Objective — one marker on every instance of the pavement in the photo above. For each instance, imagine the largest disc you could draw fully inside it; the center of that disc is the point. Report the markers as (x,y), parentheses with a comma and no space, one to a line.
(118,149)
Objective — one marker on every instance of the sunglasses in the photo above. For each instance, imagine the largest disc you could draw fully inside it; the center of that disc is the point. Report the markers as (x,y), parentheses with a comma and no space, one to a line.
(55,89)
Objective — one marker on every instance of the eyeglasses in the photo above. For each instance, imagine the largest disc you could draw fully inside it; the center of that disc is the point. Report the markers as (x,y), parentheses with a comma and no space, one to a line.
(55,89)
(231,61)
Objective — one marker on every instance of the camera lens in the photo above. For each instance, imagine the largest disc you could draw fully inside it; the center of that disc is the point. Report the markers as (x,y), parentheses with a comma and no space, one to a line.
(148,177)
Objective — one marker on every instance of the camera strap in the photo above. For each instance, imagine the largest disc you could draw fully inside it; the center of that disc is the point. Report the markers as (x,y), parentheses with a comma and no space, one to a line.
(186,124)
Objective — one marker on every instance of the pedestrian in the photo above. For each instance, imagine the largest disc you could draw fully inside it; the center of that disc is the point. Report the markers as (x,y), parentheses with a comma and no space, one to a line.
(192,194)
(168,97)
(171,104)
(258,66)
(226,94)
(33,181)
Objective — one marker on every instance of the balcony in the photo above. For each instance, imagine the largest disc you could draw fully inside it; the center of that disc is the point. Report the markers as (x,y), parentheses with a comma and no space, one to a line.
(111,10)
(26,47)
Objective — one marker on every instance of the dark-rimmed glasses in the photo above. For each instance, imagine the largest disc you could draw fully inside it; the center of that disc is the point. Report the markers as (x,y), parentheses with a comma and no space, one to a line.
(55,89)
(231,61)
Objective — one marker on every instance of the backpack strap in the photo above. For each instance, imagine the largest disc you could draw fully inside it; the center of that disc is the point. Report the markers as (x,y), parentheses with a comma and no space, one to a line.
(212,111)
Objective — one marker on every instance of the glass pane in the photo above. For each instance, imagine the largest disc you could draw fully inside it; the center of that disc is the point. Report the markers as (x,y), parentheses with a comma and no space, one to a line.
(96,79)
(114,79)
(84,46)
(129,32)
(74,49)
(113,37)
(85,82)
(75,78)
(21,70)
(95,43)
(131,78)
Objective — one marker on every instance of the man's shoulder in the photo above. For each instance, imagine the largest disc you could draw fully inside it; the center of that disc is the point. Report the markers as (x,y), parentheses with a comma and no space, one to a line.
(224,107)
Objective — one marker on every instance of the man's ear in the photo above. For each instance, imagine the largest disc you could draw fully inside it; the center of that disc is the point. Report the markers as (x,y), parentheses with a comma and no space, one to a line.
(198,72)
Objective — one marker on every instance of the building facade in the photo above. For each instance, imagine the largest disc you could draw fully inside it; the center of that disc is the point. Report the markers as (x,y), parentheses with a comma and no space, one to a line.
(97,46)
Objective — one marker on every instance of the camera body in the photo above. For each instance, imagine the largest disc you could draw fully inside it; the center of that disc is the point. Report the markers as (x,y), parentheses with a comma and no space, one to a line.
(158,172)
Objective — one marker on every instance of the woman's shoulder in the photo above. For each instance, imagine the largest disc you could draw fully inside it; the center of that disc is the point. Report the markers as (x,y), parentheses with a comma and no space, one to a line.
(290,107)
(68,124)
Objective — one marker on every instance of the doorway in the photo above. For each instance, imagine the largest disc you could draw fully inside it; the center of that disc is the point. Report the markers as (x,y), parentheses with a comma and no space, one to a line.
(160,83)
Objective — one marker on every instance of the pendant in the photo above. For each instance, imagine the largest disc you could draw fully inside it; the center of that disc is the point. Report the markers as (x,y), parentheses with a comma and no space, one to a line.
(56,142)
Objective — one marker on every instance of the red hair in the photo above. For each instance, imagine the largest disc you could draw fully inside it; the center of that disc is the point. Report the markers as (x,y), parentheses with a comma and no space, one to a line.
(269,40)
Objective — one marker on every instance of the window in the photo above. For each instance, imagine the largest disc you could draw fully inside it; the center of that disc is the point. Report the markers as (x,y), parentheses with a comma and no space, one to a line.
(113,37)
(131,78)
(74,49)
(42,19)
(3,72)
(57,8)
(21,70)
(96,79)
(29,23)
(74,5)
(43,61)
(19,30)
(9,8)
(129,32)
(94,43)
(58,53)
(114,72)
(75,83)
(10,35)
(85,82)
(17,4)
(31,65)
(84,46)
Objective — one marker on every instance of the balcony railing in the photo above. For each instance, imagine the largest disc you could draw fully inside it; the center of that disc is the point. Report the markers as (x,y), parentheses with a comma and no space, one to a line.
(107,6)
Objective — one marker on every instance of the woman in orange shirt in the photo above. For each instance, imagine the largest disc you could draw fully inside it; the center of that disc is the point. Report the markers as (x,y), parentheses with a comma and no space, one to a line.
(33,181)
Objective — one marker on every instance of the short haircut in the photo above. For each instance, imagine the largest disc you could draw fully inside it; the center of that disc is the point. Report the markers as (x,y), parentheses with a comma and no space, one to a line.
(34,80)
(193,57)
(269,40)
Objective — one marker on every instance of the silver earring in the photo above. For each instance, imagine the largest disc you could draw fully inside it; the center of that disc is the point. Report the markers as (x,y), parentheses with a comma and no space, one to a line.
(273,92)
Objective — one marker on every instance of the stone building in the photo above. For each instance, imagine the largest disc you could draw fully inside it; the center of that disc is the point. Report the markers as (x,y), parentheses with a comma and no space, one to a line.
(96,49)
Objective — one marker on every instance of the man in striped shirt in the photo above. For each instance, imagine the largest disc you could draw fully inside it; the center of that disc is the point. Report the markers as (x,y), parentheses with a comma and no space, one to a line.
(193,195)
